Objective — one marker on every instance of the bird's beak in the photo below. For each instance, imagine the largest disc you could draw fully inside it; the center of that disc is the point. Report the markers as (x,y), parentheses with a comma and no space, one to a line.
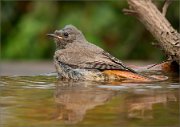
(54,35)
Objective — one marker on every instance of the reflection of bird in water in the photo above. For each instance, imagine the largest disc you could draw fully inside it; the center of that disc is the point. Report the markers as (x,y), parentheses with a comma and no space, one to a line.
(141,106)
(75,98)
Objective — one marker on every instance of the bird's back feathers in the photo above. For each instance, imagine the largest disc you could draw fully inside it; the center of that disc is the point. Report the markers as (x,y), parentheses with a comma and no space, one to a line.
(88,56)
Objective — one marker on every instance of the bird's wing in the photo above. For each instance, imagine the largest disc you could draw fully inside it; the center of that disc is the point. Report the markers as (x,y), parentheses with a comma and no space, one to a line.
(91,59)
(117,61)
(105,61)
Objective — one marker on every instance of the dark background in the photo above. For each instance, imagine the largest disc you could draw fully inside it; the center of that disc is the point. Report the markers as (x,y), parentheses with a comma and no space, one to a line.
(24,25)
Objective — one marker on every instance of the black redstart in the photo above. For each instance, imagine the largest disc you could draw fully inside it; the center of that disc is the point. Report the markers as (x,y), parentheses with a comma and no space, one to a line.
(76,58)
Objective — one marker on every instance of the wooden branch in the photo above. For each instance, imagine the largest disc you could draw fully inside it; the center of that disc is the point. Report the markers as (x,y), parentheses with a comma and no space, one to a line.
(129,12)
(158,25)
(165,6)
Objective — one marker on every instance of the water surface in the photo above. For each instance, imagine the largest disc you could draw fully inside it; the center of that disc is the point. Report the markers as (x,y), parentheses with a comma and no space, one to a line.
(38,101)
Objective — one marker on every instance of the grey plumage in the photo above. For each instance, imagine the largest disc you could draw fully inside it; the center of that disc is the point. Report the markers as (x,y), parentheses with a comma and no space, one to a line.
(76,52)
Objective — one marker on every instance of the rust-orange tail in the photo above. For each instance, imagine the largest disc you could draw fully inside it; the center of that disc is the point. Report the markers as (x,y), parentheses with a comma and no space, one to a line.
(129,75)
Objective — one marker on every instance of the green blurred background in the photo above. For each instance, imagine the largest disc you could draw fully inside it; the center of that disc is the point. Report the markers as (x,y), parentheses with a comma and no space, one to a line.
(24,26)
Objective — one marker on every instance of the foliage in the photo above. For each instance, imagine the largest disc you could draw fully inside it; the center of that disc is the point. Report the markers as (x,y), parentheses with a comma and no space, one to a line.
(24,25)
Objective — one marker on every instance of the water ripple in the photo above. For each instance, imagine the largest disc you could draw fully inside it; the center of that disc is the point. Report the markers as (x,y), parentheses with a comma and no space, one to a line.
(40,86)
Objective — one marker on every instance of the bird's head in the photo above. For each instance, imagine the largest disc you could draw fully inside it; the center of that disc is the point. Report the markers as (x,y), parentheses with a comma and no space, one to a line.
(68,34)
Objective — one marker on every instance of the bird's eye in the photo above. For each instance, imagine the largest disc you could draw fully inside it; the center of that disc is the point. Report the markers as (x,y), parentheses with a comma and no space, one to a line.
(66,34)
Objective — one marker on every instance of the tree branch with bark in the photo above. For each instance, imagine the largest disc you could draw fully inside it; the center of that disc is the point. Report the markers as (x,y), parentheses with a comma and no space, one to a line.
(155,21)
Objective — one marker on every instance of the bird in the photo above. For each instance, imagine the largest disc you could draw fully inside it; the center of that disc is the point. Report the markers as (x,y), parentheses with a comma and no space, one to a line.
(76,58)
